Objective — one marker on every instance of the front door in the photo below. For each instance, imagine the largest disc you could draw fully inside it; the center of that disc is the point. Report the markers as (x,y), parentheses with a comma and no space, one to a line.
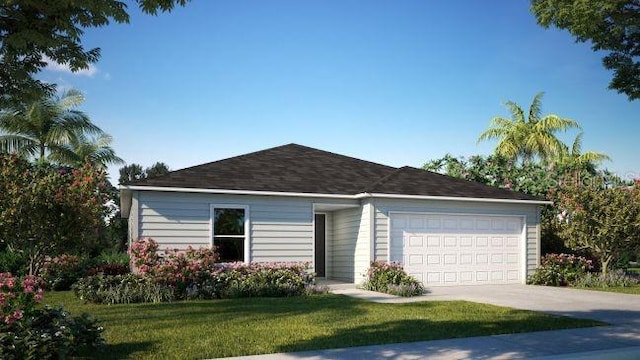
(320,244)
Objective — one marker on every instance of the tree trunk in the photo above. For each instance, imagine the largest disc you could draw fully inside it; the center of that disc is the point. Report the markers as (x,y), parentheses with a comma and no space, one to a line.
(604,263)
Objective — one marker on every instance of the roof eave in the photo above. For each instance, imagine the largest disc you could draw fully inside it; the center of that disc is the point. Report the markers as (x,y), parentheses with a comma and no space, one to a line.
(453,198)
(124,188)
(234,192)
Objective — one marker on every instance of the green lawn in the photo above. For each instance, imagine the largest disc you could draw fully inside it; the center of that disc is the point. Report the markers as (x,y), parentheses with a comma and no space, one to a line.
(207,329)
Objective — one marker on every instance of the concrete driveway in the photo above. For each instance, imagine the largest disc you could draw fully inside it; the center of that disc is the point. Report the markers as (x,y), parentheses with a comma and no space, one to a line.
(620,340)
(616,309)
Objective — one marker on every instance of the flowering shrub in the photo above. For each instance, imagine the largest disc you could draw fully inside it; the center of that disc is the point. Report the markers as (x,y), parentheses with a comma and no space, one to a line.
(391,278)
(121,289)
(264,279)
(18,297)
(27,332)
(191,274)
(560,270)
(61,271)
(144,255)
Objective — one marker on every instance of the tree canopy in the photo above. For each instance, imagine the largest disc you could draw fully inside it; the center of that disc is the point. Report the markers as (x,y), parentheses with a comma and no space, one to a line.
(45,125)
(528,136)
(134,172)
(33,32)
(610,25)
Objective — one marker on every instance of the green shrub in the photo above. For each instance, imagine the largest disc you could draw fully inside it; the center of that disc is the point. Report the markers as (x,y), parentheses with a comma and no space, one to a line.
(51,333)
(14,262)
(560,270)
(113,257)
(121,289)
(27,332)
(315,289)
(614,278)
(62,271)
(109,269)
(391,278)
(264,279)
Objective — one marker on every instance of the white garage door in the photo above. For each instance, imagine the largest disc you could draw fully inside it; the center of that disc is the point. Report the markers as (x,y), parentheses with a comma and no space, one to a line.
(458,249)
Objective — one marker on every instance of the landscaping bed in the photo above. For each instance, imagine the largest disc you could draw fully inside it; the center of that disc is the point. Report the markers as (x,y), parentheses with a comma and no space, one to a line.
(235,327)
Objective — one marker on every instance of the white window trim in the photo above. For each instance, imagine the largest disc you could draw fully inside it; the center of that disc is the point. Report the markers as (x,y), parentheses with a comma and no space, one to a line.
(247,227)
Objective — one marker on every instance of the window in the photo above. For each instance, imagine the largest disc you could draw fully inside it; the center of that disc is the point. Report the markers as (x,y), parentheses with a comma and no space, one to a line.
(230,233)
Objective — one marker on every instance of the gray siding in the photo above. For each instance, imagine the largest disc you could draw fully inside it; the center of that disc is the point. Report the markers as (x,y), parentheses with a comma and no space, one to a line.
(329,245)
(530,212)
(346,224)
(281,228)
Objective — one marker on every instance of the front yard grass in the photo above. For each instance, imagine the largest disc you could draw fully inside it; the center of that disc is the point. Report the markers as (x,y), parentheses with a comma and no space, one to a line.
(219,328)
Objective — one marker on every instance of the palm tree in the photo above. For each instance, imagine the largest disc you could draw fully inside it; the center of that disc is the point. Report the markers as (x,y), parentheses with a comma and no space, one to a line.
(526,139)
(45,125)
(577,161)
(81,149)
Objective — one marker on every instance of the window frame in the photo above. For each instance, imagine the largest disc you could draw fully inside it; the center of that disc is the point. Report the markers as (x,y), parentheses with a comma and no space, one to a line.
(247,228)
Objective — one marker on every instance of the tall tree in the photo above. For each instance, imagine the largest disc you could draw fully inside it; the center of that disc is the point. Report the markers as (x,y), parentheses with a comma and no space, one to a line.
(575,156)
(130,173)
(97,151)
(157,169)
(604,221)
(32,32)
(134,172)
(610,25)
(45,125)
(528,137)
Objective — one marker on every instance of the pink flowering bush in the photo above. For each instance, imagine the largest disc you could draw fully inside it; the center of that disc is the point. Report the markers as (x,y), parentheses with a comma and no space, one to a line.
(193,274)
(18,296)
(60,272)
(560,270)
(391,278)
(29,332)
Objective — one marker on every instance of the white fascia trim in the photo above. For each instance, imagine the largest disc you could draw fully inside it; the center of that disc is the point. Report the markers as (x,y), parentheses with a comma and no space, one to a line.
(236,192)
(335,196)
(452,198)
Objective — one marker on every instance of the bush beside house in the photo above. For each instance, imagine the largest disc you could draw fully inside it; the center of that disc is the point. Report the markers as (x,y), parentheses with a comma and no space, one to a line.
(391,278)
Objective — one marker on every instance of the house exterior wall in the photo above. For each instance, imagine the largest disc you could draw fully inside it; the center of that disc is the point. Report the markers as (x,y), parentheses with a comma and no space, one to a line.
(530,212)
(281,228)
(346,224)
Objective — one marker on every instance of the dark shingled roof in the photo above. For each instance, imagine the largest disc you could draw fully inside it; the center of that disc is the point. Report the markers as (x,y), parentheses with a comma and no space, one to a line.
(300,169)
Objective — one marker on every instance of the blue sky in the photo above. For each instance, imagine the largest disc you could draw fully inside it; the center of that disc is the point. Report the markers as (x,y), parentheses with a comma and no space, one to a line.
(394,82)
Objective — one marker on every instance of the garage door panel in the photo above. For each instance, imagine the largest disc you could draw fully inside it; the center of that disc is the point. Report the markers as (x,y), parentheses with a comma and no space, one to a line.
(458,249)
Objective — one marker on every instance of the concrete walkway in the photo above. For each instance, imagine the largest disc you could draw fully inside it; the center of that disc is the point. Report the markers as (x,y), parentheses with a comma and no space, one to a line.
(620,340)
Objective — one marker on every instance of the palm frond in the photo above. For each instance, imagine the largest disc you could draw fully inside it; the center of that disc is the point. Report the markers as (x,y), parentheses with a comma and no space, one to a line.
(535,110)
(516,111)
(17,144)
(576,148)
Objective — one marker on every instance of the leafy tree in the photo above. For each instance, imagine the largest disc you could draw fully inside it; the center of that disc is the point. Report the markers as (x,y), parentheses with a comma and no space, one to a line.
(610,25)
(530,178)
(604,221)
(157,169)
(32,32)
(135,172)
(528,137)
(45,125)
(47,210)
(97,151)
(130,173)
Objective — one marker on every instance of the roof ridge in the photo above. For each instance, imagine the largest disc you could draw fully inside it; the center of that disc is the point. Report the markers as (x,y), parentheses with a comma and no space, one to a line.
(383,179)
